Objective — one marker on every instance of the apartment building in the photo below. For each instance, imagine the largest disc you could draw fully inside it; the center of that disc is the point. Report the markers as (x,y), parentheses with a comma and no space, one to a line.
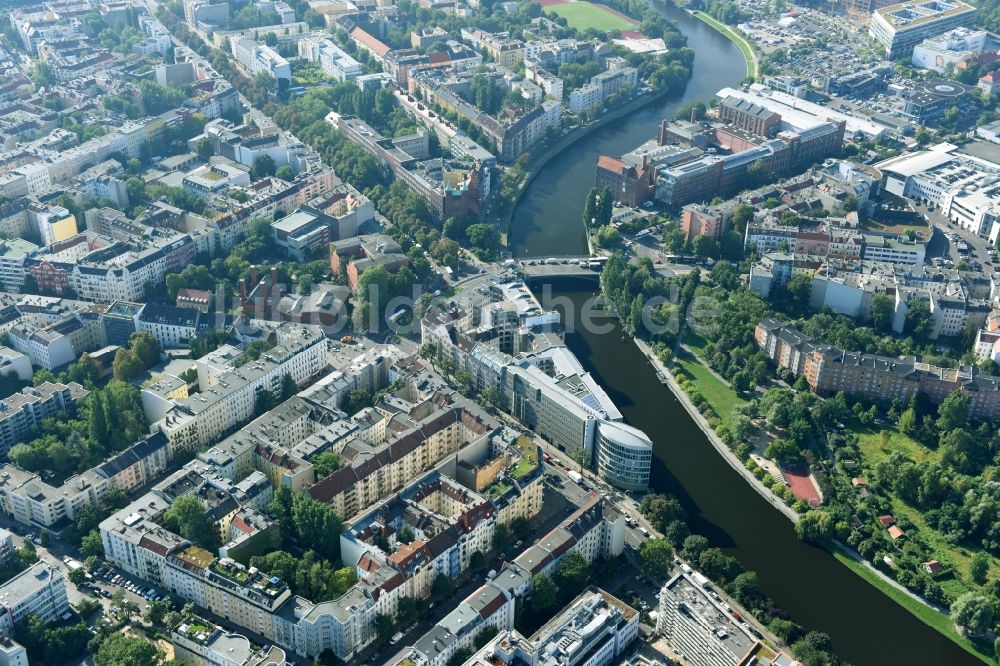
(594,630)
(256,58)
(171,326)
(830,370)
(513,130)
(22,411)
(228,391)
(14,363)
(696,624)
(138,464)
(333,60)
(198,642)
(12,653)
(40,589)
(102,269)
(452,187)
(417,441)
(353,256)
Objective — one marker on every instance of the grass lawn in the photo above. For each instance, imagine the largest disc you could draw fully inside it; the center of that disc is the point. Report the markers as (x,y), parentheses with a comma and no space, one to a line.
(583,15)
(722,398)
(737,38)
(877,444)
(924,613)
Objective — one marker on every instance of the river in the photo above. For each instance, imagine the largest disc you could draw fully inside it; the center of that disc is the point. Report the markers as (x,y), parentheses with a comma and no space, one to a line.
(548,218)
(819,593)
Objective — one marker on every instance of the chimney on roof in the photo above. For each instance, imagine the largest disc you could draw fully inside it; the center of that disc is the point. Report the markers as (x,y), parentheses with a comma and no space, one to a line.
(253,275)
(243,290)
(694,114)
(274,275)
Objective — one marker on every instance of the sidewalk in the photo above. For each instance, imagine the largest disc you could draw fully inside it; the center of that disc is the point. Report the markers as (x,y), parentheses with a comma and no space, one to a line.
(719,445)
(735,462)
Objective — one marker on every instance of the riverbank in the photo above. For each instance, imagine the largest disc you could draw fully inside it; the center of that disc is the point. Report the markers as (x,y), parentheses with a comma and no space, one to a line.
(540,161)
(668,378)
(934,617)
(749,54)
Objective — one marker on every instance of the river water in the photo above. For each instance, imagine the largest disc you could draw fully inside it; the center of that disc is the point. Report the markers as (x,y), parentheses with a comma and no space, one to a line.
(548,218)
(818,592)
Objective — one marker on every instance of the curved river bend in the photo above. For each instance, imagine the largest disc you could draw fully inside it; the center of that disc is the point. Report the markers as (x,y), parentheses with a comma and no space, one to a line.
(867,627)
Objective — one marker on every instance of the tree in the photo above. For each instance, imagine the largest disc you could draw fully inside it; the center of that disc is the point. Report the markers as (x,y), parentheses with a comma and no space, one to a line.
(91,545)
(572,574)
(741,217)
(317,525)
(156,612)
(265,402)
(442,587)
(783,451)
(262,167)
(285,172)
(77,576)
(356,400)
(484,239)
(205,149)
(694,546)
(590,208)
(656,557)
(661,510)
(919,321)
(605,207)
(815,526)
(288,387)
(125,650)
(799,290)
(704,247)
(882,313)
(188,517)
(146,348)
(277,563)
(746,588)
(953,412)
(127,365)
(979,567)
(385,628)
(326,463)
(974,613)
(543,594)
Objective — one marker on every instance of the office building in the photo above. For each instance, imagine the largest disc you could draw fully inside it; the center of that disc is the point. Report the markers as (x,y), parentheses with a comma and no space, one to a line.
(900,27)
(949,49)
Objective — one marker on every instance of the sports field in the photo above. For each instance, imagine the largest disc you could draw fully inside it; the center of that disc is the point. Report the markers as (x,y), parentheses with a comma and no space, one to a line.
(583,15)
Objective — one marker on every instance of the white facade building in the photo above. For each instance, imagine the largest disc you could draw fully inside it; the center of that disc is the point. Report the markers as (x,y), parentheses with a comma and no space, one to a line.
(257,58)
(951,48)
(40,589)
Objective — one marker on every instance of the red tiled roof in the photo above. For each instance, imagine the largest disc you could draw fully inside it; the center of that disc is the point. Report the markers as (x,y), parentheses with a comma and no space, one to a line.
(372,43)
(611,164)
